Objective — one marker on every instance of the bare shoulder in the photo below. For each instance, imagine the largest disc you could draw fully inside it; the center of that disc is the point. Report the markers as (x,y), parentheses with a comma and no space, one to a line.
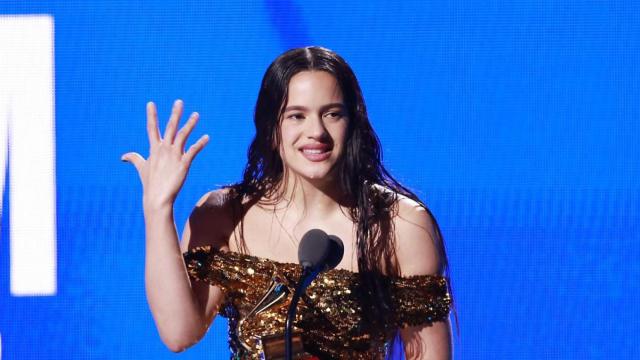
(216,199)
(417,238)
(211,221)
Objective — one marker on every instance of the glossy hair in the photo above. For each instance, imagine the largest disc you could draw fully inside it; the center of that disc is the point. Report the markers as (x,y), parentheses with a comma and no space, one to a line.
(360,172)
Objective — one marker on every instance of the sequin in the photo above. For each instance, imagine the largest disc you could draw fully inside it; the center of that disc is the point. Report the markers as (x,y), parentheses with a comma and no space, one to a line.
(257,294)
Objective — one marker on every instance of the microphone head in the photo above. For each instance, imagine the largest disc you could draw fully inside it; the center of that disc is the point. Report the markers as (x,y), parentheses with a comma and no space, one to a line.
(314,249)
(320,251)
(336,252)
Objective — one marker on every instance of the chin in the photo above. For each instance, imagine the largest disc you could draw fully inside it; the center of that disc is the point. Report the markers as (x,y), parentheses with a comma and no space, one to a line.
(315,176)
(314,172)
(312,175)
(320,175)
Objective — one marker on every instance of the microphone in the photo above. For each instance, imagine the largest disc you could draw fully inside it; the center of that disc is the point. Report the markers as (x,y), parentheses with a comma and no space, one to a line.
(317,252)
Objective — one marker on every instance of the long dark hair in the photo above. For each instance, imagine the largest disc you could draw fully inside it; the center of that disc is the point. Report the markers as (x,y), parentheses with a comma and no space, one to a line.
(360,173)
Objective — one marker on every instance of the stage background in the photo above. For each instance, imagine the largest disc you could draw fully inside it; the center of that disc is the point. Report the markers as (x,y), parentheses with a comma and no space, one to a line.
(516,122)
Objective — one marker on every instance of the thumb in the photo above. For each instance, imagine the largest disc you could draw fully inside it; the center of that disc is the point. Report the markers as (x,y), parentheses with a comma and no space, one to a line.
(134,158)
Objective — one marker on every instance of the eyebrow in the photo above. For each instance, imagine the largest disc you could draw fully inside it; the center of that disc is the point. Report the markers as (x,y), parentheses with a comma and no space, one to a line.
(323,108)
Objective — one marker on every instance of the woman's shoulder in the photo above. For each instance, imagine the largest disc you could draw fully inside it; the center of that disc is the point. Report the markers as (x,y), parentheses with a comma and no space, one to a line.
(403,206)
(417,243)
(211,220)
(417,235)
(218,198)
(214,205)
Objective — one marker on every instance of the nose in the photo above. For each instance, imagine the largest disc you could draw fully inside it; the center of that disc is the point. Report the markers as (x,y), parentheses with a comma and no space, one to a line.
(316,128)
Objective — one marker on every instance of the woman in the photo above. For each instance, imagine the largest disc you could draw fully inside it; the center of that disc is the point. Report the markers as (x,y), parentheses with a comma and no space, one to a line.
(315,162)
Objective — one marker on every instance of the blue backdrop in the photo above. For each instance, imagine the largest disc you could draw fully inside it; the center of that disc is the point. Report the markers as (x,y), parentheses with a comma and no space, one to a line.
(516,122)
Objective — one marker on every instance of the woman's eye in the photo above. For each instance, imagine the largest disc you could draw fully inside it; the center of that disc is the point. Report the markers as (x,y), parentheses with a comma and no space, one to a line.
(296,116)
(334,114)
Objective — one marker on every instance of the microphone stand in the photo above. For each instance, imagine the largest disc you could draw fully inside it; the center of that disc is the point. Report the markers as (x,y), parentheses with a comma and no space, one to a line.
(306,278)
(317,252)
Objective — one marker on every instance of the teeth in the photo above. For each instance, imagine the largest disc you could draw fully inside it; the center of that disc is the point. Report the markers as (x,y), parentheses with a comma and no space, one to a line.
(313,151)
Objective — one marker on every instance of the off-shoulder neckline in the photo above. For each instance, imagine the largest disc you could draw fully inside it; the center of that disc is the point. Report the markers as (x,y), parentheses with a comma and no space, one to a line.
(291,264)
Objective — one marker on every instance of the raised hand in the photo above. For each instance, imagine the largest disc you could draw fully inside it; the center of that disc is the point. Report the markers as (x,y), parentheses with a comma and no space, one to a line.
(164,171)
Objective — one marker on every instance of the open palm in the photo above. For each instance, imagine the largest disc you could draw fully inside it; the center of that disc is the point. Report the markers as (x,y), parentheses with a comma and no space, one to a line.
(164,171)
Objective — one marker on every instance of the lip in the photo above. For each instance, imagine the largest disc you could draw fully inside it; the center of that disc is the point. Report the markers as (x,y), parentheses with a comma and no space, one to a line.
(320,152)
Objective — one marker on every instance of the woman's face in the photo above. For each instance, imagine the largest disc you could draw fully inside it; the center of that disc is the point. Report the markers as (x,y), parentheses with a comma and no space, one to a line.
(314,126)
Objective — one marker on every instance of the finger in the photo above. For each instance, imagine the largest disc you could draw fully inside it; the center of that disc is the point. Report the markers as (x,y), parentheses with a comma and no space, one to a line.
(183,134)
(195,148)
(152,123)
(134,158)
(176,113)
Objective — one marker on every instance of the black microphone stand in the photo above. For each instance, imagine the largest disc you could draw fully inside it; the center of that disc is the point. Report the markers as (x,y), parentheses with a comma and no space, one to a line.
(306,278)
(317,252)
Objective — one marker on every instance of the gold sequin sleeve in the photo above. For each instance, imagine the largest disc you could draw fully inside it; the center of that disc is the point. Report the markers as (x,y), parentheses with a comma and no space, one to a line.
(234,273)
(421,300)
(199,262)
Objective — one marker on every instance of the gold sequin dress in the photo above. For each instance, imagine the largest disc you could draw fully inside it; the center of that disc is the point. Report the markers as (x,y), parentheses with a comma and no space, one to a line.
(328,322)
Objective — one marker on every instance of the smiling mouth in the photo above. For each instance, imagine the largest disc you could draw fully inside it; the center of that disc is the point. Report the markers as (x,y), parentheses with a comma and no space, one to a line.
(316,154)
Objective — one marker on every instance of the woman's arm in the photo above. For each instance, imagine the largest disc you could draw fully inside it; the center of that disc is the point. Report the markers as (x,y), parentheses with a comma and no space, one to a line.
(184,309)
(177,312)
(210,224)
(427,342)
(175,307)
(417,250)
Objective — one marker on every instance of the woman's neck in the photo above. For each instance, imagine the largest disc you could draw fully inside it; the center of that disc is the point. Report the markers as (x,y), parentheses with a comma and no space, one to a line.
(316,199)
